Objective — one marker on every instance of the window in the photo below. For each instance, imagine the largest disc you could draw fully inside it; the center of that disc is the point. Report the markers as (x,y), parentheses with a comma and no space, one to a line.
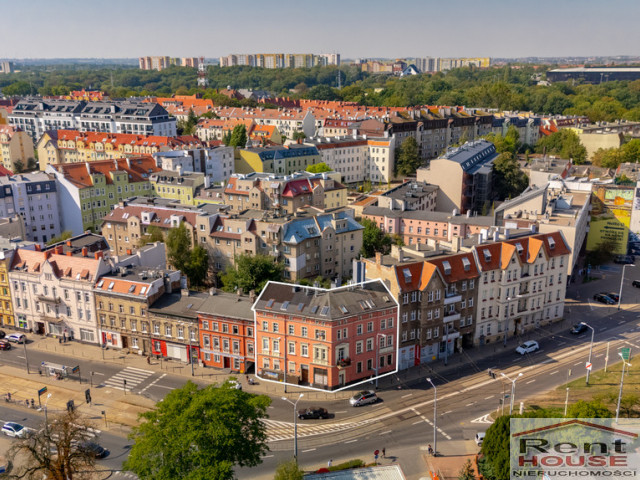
(167,330)
(292,348)
(369,326)
(304,350)
(274,327)
(303,331)
(369,344)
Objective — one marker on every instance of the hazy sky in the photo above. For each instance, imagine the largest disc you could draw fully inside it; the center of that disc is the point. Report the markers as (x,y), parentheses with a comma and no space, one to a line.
(353,28)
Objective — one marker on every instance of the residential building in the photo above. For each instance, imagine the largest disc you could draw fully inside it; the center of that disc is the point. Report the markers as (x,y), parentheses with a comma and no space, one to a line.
(36,198)
(73,146)
(227,335)
(410,195)
(526,124)
(181,187)
(88,191)
(212,129)
(6,67)
(16,147)
(37,115)
(287,121)
(162,62)
(522,285)
(325,339)
(542,169)
(464,176)
(279,160)
(216,163)
(123,299)
(6,303)
(280,60)
(12,227)
(174,324)
(52,293)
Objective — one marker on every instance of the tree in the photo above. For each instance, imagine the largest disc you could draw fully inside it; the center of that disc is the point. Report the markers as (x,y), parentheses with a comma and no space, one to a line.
(56,452)
(251,272)
(289,471)
(319,168)
(154,234)
(298,136)
(238,136)
(603,253)
(564,143)
(628,402)
(495,449)
(593,409)
(408,158)
(509,180)
(509,143)
(61,238)
(198,267)
(373,239)
(179,247)
(607,157)
(229,432)
(18,166)
(466,472)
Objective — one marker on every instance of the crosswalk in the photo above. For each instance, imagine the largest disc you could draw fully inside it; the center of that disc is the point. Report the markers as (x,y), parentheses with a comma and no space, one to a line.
(133,377)
(277,430)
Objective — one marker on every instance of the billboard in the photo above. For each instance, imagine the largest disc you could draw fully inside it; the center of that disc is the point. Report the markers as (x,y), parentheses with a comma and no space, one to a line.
(610,216)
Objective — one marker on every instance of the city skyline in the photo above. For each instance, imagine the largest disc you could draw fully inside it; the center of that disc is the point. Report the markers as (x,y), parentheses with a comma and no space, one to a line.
(461,28)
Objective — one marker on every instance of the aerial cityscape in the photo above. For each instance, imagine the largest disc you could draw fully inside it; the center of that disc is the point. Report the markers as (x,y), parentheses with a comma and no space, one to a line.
(327,242)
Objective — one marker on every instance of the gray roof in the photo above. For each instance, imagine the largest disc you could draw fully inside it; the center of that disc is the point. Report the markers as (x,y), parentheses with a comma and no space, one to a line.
(178,305)
(387,472)
(410,190)
(169,177)
(528,194)
(429,216)
(228,305)
(472,155)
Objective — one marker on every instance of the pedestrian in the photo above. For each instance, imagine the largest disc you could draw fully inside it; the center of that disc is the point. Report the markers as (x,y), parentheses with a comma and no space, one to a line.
(329,463)
(429,449)
(384,452)
(148,360)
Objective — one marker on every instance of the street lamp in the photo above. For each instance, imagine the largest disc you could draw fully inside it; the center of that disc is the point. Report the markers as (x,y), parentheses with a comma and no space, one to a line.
(624,364)
(295,424)
(621,282)
(46,423)
(435,417)
(378,355)
(513,389)
(590,348)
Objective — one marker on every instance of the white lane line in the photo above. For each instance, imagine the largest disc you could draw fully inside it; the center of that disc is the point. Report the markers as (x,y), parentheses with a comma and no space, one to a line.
(530,381)
(579,363)
(553,373)
(562,343)
(20,357)
(384,433)
(490,396)
(341,411)
(153,383)
(310,450)
(140,370)
(599,355)
(407,395)
(351,441)
(469,404)
(620,322)
(448,411)
(171,388)
(415,423)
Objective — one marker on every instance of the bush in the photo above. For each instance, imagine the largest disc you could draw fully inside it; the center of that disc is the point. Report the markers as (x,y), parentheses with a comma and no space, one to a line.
(356,463)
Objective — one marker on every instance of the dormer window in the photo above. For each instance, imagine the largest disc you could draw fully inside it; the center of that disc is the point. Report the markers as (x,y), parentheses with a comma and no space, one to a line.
(447,267)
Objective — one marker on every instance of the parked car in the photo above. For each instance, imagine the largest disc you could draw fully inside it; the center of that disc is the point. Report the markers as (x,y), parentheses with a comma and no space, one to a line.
(528,347)
(479,438)
(2,334)
(235,384)
(578,328)
(602,298)
(636,283)
(313,413)
(17,338)
(623,259)
(613,296)
(13,429)
(94,449)
(363,398)
(4,345)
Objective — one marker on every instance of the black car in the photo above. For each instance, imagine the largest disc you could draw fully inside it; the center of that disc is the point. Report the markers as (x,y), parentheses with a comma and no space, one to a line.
(623,259)
(599,297)
(4,345)
(613,296)
(636,283)
(313,412)
(578,328)
(2,334)
(94,449)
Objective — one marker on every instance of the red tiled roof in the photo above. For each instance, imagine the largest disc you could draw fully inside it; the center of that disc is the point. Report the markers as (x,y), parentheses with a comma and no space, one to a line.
(161,217)
(296,187)
(412,281)
(30,261)
(138,170)
(457,268)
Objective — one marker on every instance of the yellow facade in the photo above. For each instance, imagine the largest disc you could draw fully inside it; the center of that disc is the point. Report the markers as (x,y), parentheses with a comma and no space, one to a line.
(183,194)
(15,146)
(248,161)
(6,307)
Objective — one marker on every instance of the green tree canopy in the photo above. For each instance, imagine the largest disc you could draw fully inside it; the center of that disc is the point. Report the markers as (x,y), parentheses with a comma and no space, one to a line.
(373,239)
(229,433)
(154,234)
(408,157)
(251,272)
(179,247)
(509,143)
(564,143)
(509,180)
(289,471)
(319,168)
(238,136)
(593,409)
(198,267)
(466,471)
(61,238)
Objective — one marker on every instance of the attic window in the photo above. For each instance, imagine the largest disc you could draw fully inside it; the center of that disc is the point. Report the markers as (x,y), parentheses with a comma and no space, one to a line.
(300,306)
(519,247)
(487,255)
(270,303)
(132,288)
(371,304)
(552,243)
(100,283)
(407,275)
(325,311)
(363,304)
(343,309)
(144,289)
(111,285)
(285,305)
(447,267)
(466,264)
(385,298)
(314,309)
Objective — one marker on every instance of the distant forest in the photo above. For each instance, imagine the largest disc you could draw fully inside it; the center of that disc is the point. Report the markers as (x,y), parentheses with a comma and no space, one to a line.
(512,87)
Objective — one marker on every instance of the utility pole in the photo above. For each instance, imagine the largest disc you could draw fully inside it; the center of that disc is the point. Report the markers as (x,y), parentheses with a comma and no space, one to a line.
(435,417)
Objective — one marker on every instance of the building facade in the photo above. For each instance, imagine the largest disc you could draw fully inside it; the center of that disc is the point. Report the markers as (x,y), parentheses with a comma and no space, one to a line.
(16,146)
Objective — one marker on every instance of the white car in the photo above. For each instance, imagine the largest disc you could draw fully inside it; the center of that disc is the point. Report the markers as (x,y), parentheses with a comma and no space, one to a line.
(17,338)
(235,384)
(528,347)
(16,430)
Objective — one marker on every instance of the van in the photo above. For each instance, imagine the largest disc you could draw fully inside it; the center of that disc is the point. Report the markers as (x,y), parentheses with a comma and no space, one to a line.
(479,438)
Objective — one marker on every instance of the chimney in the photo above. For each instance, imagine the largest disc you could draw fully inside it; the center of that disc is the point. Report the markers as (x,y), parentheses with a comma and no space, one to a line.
(59,250)
(99,255)
(378,258)
(69,253)
(38,248)
(85,251)
(68,243)
(239,293)
(129,251)
(47,254)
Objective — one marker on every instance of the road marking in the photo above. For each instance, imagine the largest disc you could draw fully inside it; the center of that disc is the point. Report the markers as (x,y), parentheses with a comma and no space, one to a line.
(351,441)
(154,382)
(581,336)
(448,411)
(483,419)
(553,373)
(579,363)
(415,423)
(341,411)
(388,431)
(621,322)
(310,450)
(530,381)
(407,395)
(490,396)
(20,357)
(599,355)
(267,456)
(561,343)
(469,404)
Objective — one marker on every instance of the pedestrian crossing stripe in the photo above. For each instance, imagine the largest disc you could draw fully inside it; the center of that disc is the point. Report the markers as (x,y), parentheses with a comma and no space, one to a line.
(133,376)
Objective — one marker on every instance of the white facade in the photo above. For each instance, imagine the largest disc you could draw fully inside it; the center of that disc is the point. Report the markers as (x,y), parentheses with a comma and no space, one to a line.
(216,163)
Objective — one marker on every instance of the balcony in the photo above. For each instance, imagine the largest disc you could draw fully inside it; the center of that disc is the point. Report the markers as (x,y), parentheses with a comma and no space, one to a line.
(451,318)
(344,362)
(452,298)
(50,299)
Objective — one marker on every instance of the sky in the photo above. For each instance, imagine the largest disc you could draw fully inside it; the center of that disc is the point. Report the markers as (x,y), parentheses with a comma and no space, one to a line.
(353,28)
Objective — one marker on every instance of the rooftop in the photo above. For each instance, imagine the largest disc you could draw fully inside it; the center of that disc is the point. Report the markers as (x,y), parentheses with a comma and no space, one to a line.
(228,305)
(179,304)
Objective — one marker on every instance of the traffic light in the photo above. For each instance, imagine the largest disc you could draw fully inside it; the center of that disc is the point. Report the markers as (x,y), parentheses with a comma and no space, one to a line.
(87,395)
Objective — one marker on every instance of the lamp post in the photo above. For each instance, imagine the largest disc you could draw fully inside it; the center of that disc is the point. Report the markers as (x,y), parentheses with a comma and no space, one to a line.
(46,423)
(513,389)
(295,424)
(624,364)
(621,282)
(590,348)
(378,355)
(435,417)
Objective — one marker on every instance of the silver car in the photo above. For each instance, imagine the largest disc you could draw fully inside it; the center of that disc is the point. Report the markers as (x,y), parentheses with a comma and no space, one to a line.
(363,398)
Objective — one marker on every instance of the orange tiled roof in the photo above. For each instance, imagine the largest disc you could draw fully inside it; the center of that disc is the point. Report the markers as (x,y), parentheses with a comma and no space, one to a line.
(120,285)
(73,267)
(457,267)
(138,170)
